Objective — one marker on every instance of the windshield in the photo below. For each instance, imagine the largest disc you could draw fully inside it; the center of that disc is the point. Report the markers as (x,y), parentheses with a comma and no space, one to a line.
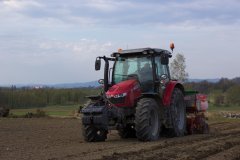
(132,67)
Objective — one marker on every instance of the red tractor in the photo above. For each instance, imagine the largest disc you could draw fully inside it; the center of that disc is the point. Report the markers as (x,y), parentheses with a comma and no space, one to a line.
(141,100)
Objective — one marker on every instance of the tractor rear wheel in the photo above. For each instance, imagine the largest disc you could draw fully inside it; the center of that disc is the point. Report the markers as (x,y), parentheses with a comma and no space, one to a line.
(94,134)
(127,132)
(178,113)
(147,120)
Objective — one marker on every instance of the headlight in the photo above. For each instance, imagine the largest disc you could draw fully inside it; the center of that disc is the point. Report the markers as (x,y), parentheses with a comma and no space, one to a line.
(120,95)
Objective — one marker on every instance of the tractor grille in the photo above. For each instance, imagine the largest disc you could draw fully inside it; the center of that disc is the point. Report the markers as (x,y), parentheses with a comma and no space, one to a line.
(117,100)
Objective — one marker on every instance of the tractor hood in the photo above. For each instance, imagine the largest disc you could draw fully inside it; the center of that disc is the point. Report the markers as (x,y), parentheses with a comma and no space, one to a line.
(124,93)
(122,86)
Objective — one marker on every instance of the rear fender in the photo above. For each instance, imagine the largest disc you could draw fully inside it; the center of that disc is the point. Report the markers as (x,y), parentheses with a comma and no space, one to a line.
(169,90)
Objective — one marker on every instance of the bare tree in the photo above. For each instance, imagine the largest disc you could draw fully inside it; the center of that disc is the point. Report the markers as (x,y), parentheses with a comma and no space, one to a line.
(178,68)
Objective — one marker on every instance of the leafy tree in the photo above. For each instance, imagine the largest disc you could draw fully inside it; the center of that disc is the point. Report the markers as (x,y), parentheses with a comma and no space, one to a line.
(30,97)
(178,68)
(224,84)
(217,97)
(233,95)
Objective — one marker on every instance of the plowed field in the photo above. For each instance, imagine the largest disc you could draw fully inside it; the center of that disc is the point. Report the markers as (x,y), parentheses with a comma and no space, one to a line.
(55,138)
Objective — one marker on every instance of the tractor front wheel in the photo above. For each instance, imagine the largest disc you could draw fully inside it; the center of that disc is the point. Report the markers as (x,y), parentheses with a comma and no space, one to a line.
(147,120)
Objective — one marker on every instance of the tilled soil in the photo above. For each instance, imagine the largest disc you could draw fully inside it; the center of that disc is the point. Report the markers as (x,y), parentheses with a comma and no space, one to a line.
(56,138)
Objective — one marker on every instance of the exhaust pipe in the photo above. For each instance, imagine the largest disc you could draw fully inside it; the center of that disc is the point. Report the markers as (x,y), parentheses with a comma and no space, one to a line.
(106,69)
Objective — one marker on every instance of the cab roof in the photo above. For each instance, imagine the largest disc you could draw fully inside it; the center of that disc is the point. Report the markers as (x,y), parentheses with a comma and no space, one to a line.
(141,51)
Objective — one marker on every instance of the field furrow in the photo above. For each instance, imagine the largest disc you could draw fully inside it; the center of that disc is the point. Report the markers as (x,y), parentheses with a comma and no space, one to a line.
(56,138)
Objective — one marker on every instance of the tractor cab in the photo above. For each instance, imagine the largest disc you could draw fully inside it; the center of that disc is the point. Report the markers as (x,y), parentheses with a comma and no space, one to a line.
(145,65)
(135,73)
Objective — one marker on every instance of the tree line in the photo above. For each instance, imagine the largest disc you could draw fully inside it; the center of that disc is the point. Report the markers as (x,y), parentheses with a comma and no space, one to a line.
(30,97)
(224,92)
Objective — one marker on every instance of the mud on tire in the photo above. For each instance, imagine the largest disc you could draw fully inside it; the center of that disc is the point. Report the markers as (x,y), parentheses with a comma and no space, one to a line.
(147,120)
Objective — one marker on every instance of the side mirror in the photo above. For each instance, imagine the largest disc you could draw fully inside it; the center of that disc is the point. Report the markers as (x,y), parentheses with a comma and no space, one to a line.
(164,59)
(98,64)
(101,81)
(164,79)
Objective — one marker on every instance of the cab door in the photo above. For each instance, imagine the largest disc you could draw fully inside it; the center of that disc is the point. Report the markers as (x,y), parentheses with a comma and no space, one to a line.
(161,69)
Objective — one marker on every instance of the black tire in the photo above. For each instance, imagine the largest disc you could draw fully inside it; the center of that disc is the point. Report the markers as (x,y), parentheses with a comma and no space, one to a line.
(177,114)
(147,120)
(94,134)
(127,132)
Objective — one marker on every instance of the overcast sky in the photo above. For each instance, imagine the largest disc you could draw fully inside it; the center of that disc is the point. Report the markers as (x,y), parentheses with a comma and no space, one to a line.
(56,41)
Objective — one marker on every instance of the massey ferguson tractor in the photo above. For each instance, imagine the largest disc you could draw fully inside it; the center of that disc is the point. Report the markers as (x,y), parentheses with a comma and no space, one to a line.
(141,100)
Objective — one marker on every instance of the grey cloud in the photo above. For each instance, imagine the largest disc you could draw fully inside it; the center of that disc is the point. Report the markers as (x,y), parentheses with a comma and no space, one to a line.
(41,38)
(110,12)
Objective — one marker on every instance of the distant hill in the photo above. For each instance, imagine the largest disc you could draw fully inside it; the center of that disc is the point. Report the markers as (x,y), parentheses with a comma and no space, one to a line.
(76,85)
(236,80)
(60,85)
(208,80)
(94,84)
